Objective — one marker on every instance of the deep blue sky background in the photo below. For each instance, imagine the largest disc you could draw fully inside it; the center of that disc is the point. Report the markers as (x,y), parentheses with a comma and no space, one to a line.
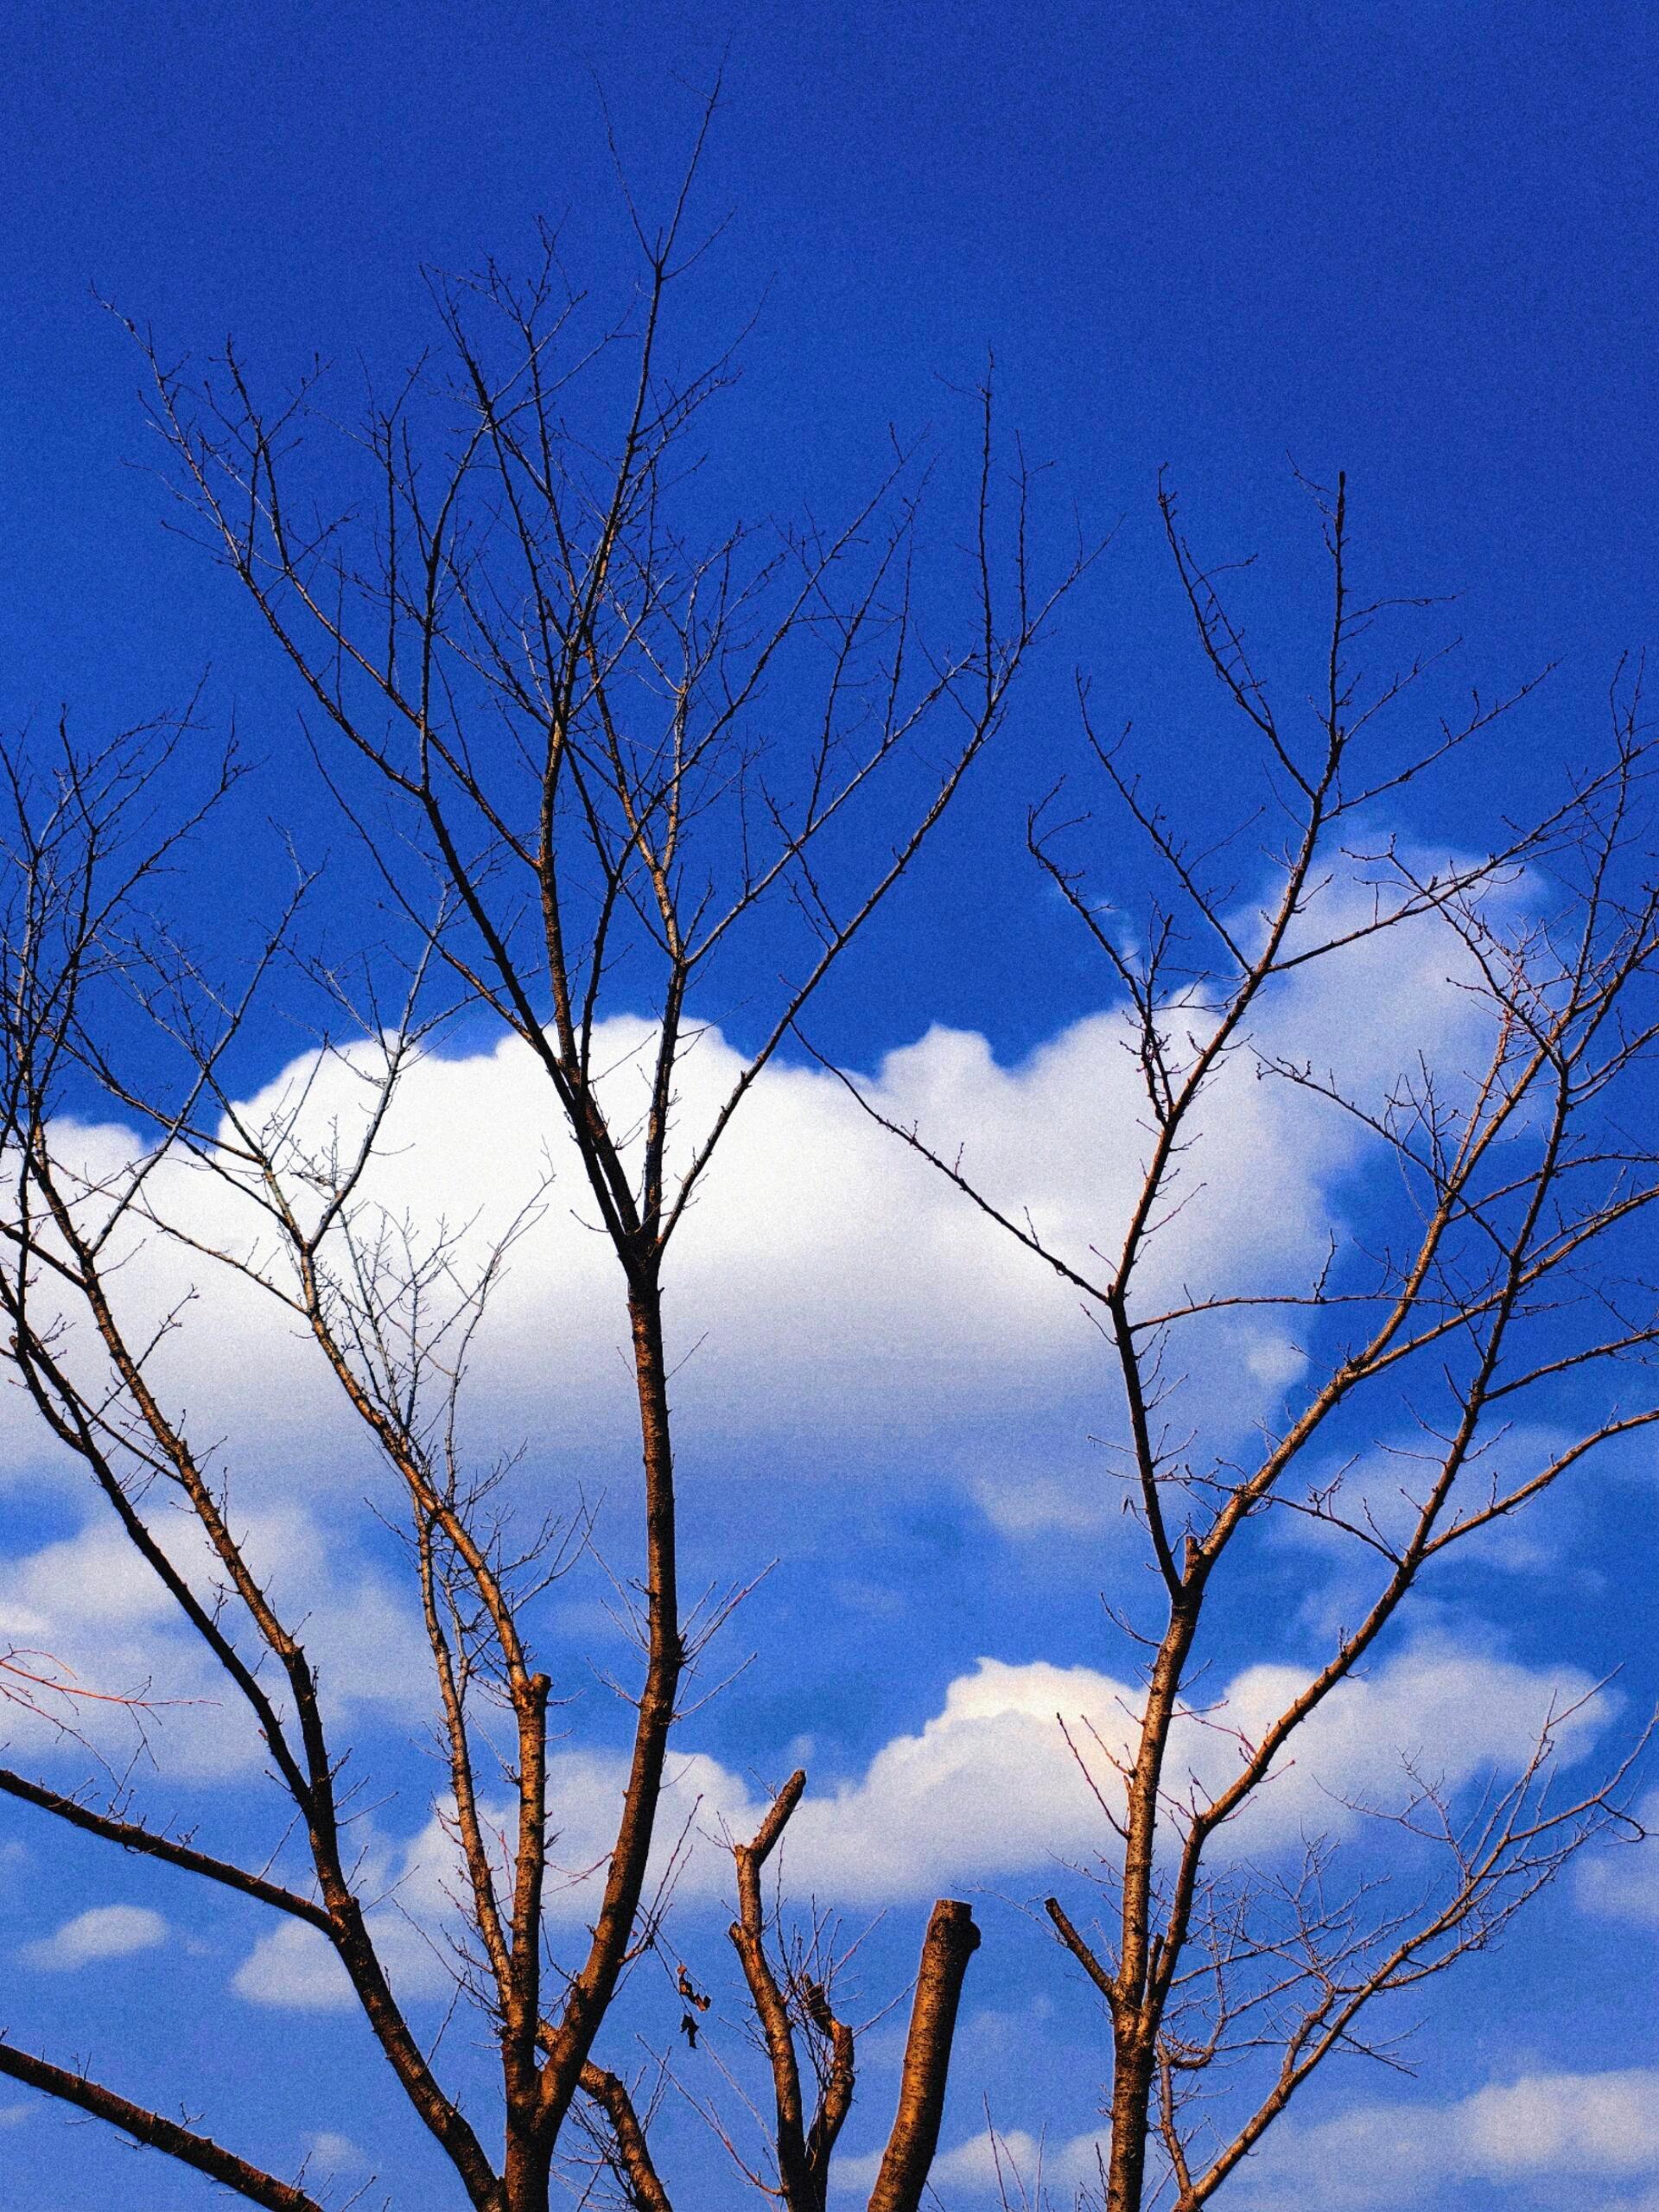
(1413,241)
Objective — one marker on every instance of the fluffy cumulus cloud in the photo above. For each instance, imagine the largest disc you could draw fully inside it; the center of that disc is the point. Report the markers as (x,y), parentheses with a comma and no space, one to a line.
(990,1790)
(824,1269)
(987,1793)
(107,1931)
(828,1282)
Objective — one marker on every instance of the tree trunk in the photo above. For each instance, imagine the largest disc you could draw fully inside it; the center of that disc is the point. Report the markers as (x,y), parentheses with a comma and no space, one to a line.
(951,1942)
(526,2183)
(1126,2174)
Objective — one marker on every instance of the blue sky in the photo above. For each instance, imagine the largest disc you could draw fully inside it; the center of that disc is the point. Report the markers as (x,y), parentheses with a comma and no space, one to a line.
(1413,242)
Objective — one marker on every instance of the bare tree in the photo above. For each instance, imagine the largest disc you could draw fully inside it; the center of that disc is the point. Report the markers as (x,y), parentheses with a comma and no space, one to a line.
(1511,1275)
(591,743)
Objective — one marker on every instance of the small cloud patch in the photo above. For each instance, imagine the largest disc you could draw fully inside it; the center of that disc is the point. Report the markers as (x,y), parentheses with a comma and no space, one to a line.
(108,1931)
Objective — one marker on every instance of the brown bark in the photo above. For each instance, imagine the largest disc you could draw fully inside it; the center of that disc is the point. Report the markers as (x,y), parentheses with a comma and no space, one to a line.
(571,2041)
(803,2152)
(1126,2172)
(952,1941)
(639,2173)
(771,2006)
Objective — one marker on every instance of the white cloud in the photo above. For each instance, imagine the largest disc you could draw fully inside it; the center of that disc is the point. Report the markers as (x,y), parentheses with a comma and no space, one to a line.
(988,1792)
(990,2163)
(824,1266)
(293,1969)
(102,1622)
(1537,2132)
(328,2152)
(1456,1714)
(827,1271)
(108,1931)
(1542,2130)
(833,1274)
